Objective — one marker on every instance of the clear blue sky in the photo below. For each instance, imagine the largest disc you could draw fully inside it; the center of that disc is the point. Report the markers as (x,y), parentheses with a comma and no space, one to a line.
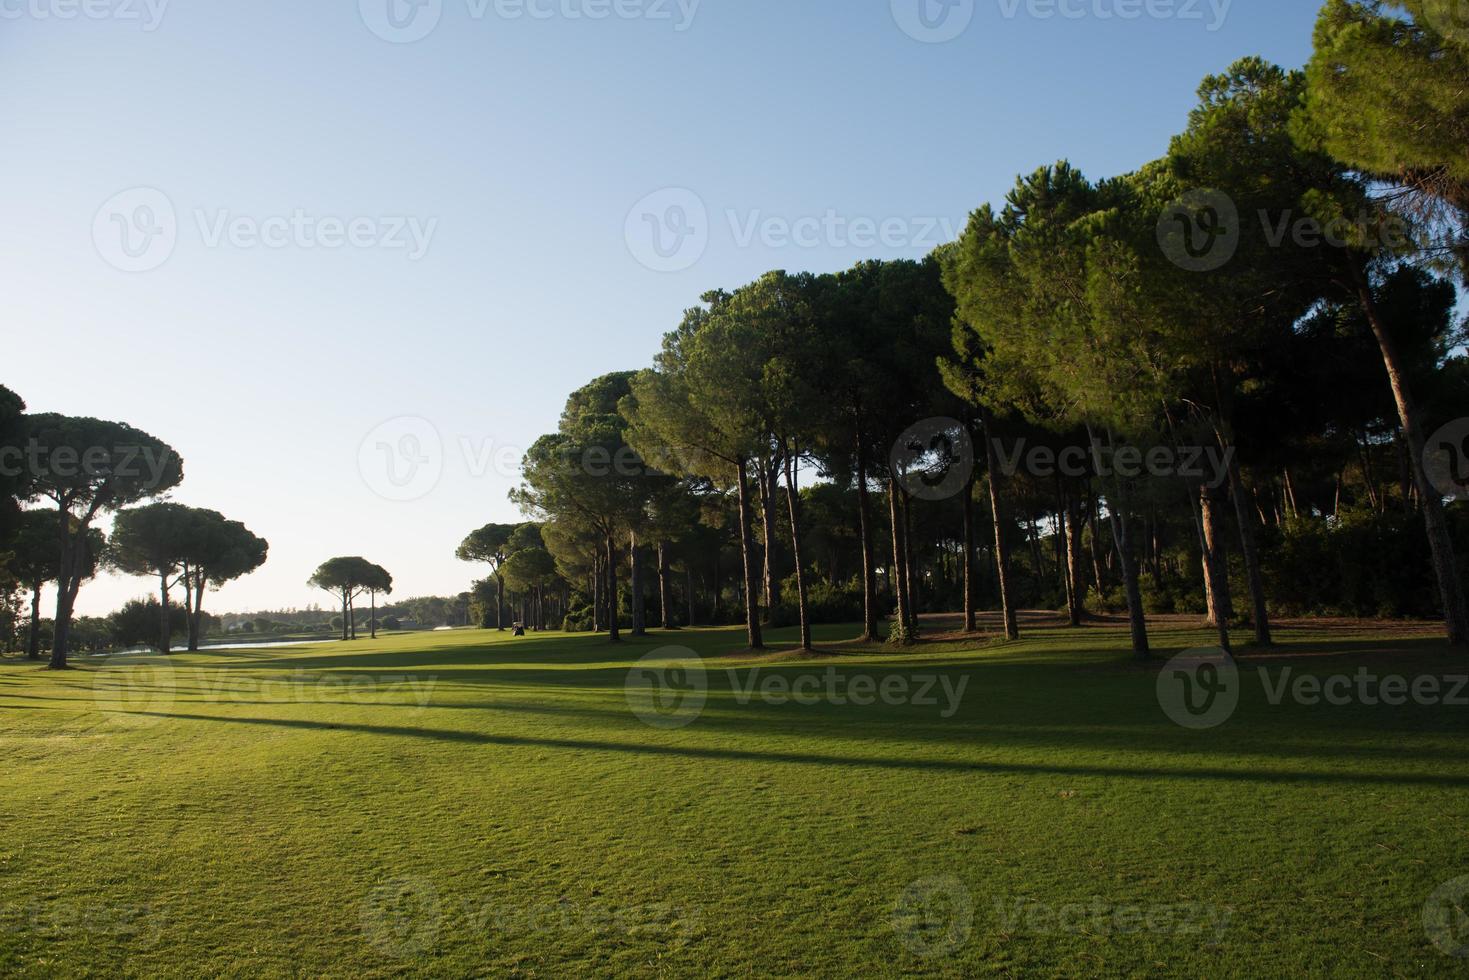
(528,140)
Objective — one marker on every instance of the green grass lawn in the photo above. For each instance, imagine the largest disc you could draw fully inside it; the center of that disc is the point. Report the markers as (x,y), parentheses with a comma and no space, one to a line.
(464,803)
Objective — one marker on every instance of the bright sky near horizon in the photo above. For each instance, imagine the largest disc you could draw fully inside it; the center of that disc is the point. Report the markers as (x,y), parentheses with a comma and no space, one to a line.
(342,252)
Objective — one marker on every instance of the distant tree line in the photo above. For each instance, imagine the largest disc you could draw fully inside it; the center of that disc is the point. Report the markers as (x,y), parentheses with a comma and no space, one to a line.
(418,612)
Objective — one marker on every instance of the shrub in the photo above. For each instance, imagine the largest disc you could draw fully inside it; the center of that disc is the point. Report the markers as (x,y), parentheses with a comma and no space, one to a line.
(578,620)
(1113,600)
(1360,564)
(827,603)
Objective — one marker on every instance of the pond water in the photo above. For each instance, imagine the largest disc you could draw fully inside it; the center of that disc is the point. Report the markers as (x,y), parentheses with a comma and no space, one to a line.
(227,645)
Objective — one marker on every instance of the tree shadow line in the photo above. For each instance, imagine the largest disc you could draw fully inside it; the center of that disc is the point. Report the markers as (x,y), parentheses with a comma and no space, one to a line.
(1252,774)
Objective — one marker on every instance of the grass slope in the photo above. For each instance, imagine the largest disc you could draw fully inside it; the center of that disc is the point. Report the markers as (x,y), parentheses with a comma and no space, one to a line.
(308,811)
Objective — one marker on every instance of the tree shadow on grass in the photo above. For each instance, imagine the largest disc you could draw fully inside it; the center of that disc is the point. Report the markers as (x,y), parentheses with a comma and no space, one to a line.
(1253,774)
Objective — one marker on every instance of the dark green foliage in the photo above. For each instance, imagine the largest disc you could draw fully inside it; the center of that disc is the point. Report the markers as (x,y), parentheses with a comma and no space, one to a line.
(578,620)
(1387,93)
(136,623)
(828,603)
(1362,564)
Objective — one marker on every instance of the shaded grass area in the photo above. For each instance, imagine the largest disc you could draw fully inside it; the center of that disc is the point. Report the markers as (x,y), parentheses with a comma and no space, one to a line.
(465,803)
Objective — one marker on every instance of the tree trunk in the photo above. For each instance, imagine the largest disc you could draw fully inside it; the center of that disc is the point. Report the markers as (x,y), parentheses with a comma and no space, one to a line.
(971,621)
(716,607)
(767,522)
(33,642)
(1002,549)
(1095,522)
(635,590)
(69,579)
(372,623)
(1137,621)
(1216,578)
(910,585)
(793,503)
(196,609)
(1035,549)
(688,584)
(1405,469)
(344,614)
(898,575)
(1445,566)
(665,588)
(188,579)
(1251,553)
(1058,551)
(613,635)
(64,567)
(1155,547)
(195,589)
(1369,473)
(1127,563)
(864,531)
(596,594)
(499,602)
(164,625)
(747,550)
(1076,579)
(1215,559)
(60,630)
